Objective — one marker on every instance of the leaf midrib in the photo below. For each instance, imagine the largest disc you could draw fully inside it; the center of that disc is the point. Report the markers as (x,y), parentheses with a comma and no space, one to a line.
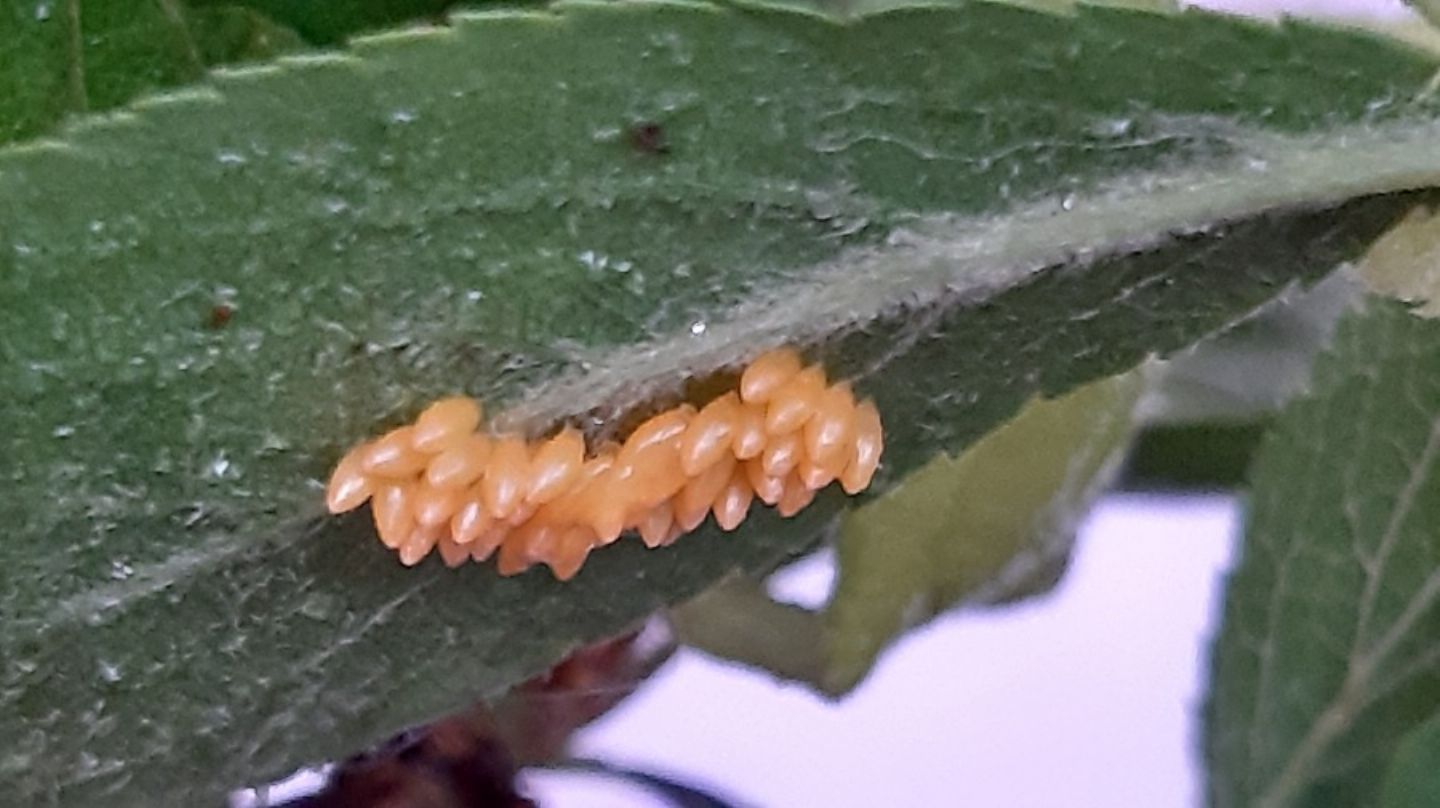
(942,259)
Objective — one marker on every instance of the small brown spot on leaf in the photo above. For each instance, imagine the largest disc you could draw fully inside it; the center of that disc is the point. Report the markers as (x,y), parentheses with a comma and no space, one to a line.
(648,137)
(220,315)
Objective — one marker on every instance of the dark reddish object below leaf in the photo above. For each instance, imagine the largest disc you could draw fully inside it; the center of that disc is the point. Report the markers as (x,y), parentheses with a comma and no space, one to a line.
(538,717)
(470,759)
(458,762)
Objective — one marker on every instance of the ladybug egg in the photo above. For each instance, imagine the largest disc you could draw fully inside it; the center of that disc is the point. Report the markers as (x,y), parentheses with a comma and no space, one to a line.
(749,432)
(767,373)
(797,495)
(470,520)
(698,495)
(832,426)
(655,526)
(521,515)
(813,475)
(556,466)
(733,502)
(767,487)
(434,506)
(507,478)
(439,485)
(445,423)
(709,435)
(394,455)
(451,553)
(792,405)
(349,487)
(869,444)
(394,518)
(488,542)
(666,427)
(570,552)
(651,475)
(422,540)
(461,464)
(517,553)
(782,455)
(603,506)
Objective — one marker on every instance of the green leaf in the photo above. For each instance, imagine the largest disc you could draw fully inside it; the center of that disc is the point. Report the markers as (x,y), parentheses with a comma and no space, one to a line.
(1413,779)
(960,208)
(1331,635)
(59,57)
(1212,401)
(1405,262)
(975,527)
(1252,369)
(1194,457)
(332,21)
(226,34)
(993,525)
(1429,9)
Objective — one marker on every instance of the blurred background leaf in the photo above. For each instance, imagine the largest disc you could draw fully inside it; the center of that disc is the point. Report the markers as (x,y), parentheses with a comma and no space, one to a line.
(996,523)
(1413,779)
(984,527)
(331,22)
(61,57)
(1405,262)
(1330,639)
(1205,414)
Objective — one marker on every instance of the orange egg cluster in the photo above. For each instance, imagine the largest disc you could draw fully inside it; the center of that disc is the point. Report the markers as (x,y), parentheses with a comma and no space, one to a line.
(441,484)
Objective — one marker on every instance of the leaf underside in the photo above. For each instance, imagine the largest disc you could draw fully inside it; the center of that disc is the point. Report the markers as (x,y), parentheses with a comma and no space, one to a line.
(1329,651)
(940,203)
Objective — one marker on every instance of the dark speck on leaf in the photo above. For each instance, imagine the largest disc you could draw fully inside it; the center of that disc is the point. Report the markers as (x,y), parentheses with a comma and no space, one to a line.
(220,316)
(648,138)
